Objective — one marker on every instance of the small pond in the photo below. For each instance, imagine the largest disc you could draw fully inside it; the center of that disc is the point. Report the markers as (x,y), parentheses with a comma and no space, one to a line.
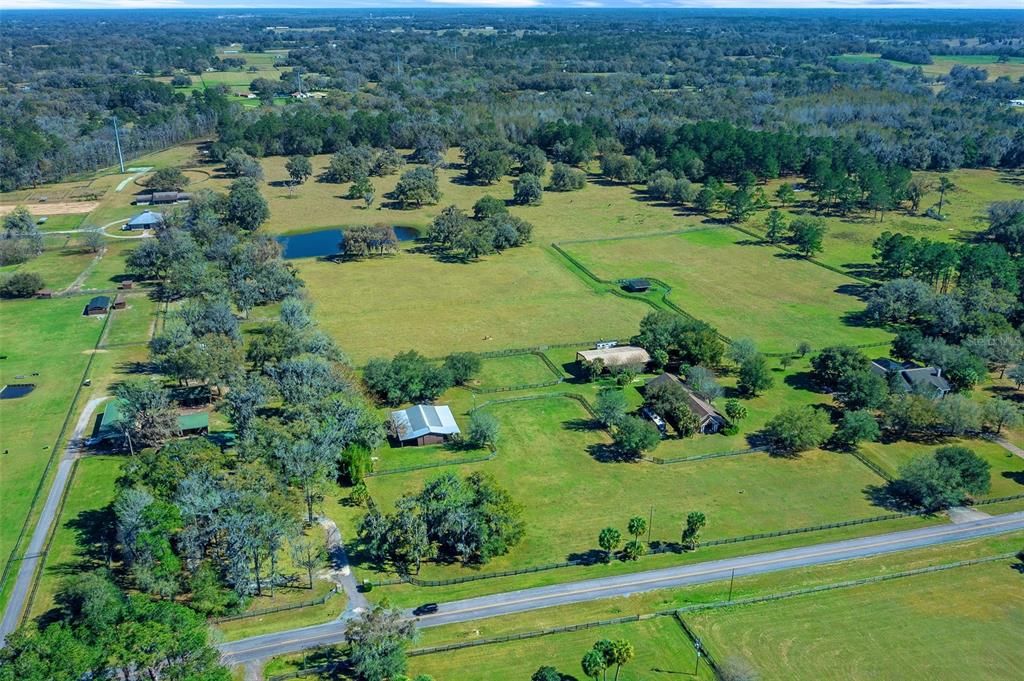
(325,242)
(15,390)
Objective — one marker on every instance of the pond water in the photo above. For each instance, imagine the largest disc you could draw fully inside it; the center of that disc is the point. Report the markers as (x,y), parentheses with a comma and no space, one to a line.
(325,242)
(10,392)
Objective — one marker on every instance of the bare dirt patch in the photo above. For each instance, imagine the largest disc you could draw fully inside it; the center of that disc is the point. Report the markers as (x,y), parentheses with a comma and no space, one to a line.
(56,208)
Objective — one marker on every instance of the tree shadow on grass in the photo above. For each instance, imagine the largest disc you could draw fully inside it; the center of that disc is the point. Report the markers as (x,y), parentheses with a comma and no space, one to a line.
(589,557)
(801,380)
(95,534)
(892,496)
(1016,476)
(1006,393)
(581,425)
(606,453)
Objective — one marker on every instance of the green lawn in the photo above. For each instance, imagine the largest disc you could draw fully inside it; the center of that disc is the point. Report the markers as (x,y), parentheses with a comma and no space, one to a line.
(742,288)
(521,298)
(134,324)
(503,372)
(662,652)
(1007,469)
(84,523)
(964,623)
(53,339)
(547,451)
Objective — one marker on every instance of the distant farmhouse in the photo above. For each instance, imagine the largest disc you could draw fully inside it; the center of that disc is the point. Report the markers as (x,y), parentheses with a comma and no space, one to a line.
(424,424)
(710,421)
(156,198)
(614,356)
(145,220)
(926,381)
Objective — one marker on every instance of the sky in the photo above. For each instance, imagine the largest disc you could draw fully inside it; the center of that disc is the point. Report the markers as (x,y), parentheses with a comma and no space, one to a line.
(266,4)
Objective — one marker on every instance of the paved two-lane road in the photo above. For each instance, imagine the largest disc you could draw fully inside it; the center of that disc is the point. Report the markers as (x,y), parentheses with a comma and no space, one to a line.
(268,645)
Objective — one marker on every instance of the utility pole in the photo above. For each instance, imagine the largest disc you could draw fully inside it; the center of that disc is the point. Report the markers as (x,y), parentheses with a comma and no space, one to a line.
(650,524)
(731,578)
(117,139)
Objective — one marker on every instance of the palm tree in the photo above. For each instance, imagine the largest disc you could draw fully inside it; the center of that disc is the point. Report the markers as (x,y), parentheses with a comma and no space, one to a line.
(622,652)
(592,664)
(945,185)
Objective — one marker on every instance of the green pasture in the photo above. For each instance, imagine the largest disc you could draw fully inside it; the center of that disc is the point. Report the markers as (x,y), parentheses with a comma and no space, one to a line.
(62,260)
(134,324)
(597,211)
(741,287)
(548,450)
(848,241)
(963,623)
(1007,469)
(79,535)
(520,298)
(662,651)
(504,372)
(669,599)
(53,339)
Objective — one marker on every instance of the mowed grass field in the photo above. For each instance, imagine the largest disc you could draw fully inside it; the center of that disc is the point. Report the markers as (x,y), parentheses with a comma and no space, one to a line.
(552,461)
(662,652)
(964,623)
(1007,469)
(50,338)
(521,298)
(742,288)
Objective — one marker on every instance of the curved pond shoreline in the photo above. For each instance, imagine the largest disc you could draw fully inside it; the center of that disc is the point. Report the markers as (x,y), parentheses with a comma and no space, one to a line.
(325,242)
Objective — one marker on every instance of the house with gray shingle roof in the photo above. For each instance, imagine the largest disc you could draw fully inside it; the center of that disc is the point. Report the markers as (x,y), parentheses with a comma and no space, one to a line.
(912,378)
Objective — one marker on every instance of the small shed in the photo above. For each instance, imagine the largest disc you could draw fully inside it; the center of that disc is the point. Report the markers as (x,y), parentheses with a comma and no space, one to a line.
(145,220)
(620,355)
(119,302)
(97,306)
(127,284)
(424,424)
(45,293)
(636,285)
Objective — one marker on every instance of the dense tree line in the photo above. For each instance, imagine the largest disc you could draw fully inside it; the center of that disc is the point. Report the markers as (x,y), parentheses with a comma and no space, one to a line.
(572,91)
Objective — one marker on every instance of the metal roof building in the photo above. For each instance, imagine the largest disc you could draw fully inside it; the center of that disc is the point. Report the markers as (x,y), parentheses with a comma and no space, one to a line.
(620,355)
(188,424)
(145,220)
(98,305)
(424,424)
